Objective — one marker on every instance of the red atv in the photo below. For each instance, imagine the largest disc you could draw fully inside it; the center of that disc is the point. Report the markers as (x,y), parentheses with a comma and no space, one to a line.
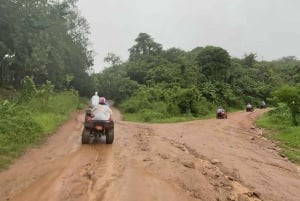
(94,129)
(221,115)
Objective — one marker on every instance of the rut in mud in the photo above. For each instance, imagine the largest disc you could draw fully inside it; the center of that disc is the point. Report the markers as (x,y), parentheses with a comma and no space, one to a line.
(200,160)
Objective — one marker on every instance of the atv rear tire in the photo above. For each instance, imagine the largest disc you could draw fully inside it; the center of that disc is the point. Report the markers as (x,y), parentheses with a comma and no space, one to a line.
(110,136)
(85,138)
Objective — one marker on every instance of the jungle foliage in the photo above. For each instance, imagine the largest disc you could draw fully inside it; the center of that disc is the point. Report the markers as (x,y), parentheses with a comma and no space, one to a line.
(46,40)
(156,84)
(31,115)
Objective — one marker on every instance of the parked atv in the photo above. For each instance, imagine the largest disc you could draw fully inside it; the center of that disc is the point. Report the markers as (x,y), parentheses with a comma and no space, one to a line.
(94,129)
(221,115)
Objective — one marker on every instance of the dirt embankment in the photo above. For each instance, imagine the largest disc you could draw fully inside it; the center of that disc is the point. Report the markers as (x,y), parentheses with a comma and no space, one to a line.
(200,160)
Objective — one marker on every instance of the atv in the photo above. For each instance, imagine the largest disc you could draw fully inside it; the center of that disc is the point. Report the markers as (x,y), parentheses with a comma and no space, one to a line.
(221,115)
(263,106)
(249,109)
(94,129)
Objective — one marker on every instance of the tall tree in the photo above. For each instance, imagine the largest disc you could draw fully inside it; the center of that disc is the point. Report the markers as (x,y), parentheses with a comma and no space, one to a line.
(47,38)
(112,59)
(249,59)
(291,97)
(214,63)
(144,46)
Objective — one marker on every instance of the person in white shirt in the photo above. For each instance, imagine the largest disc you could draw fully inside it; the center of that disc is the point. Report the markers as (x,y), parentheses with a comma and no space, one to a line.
(102,111)
(220,110)
(95,100)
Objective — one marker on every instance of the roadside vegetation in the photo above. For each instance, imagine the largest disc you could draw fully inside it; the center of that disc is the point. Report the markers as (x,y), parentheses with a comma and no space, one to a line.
(286,135)
(282,122)
(29,117)
(44,57)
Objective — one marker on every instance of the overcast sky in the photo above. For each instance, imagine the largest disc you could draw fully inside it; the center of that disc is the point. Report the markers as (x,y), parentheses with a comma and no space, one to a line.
(269,28)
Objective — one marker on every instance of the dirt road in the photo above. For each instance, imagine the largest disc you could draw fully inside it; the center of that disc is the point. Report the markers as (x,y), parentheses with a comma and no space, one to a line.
(203,160)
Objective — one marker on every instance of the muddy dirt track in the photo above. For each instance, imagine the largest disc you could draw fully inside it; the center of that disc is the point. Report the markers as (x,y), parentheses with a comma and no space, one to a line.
(206,160)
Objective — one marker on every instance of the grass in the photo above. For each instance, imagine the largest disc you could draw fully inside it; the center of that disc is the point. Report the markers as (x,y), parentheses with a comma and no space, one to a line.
(25,124)
(49,121)
(7,93)
(287,137)
(153,117)
(139,117)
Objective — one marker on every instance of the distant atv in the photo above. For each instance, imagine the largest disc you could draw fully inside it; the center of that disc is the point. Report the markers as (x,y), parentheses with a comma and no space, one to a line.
(249,109)
(221,115)
(263,106)
(94,129)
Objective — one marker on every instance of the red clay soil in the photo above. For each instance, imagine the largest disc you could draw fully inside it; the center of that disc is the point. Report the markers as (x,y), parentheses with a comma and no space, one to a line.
(208,160)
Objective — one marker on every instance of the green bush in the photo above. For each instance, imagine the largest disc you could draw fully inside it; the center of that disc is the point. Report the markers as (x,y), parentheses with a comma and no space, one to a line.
(173,109)
(200,108)
(25,122)
(166,103)
(291,97)
(150,115)
(280,116)
(17,129)
(29,89)
(278,123)
(129,106)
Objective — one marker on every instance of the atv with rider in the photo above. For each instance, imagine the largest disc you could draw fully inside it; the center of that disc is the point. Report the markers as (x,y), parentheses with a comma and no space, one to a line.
(249,108)
(221,113)
(94,129)
(263,105)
